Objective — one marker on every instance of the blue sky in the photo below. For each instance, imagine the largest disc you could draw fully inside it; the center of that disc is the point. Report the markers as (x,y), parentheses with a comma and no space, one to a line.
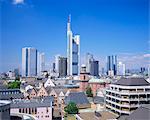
(106,27)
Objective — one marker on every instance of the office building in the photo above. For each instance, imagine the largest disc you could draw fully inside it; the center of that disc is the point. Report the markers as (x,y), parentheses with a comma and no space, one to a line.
(112,65)
(40,63)
(62,66)
(16,71)
(94,68)
(73,51)
(57,57)
(89,57)
(29,61)
(127,94)
(121,69)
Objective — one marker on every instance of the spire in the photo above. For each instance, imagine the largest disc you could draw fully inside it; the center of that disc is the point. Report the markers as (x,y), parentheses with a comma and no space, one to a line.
(69,18)
(69,22)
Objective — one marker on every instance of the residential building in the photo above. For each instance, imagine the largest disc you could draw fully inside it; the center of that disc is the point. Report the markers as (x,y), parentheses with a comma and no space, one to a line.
(127,94)
(5,110)
(41,108)
(73,51)
(29,61)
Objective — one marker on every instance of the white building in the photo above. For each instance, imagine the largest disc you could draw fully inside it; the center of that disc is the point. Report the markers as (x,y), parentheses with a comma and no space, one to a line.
(89,57)
(121,69)
(29,61)
(40,63)
(73,51)
(127,94)
(57,57)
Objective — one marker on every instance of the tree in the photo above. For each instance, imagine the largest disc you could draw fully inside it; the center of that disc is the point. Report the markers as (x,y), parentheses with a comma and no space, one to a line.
(89,92)
(71,108)
(14,85)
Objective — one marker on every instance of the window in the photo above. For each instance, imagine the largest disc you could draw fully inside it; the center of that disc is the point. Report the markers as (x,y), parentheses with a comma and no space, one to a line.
(29,110)
(47,110)
(35,110)
(19,110)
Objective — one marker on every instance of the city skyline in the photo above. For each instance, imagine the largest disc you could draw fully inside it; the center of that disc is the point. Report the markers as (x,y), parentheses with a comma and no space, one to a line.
(124,32)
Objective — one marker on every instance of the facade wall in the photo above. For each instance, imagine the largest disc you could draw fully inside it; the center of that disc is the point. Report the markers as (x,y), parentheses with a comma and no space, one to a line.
(118,97)
(5,112)
(42,113)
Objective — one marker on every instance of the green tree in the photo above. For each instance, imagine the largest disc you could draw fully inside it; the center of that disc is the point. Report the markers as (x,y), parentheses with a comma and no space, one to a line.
(14,85)
(71,108)
(89,92)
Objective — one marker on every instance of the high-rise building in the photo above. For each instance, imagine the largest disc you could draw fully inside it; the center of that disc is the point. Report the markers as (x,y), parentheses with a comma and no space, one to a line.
(94,68)
(40,63)
(57,57)
(89,57)
(16,71)
(29,61)
(62,66)
(121,69)
(73,51)
(112,65)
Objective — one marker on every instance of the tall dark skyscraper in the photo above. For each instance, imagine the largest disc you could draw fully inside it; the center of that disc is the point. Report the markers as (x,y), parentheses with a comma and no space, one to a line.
(112,65)
(94,68)
(62,66)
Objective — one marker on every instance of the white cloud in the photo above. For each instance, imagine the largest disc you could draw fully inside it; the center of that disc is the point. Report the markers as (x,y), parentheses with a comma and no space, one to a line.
(135,60)
(146,55)
(18,2)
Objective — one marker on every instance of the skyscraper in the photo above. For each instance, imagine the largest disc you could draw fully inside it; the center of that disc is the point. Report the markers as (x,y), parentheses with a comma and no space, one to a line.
(121,69)
(112,65)
(94,68)
(62,66)
(29,61)
(89,57)
(73,51)
(40,63)
(57,57)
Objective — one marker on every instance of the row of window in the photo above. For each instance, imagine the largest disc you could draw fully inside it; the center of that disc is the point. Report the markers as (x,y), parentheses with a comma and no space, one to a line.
(28,110)
(8,93)
(5,110)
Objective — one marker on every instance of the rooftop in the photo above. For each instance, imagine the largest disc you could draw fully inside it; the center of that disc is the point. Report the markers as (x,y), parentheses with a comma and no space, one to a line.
(4,102)
(96,80)
(132,82)
(141,113)
(103,115)
(77,97)
(34,103)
